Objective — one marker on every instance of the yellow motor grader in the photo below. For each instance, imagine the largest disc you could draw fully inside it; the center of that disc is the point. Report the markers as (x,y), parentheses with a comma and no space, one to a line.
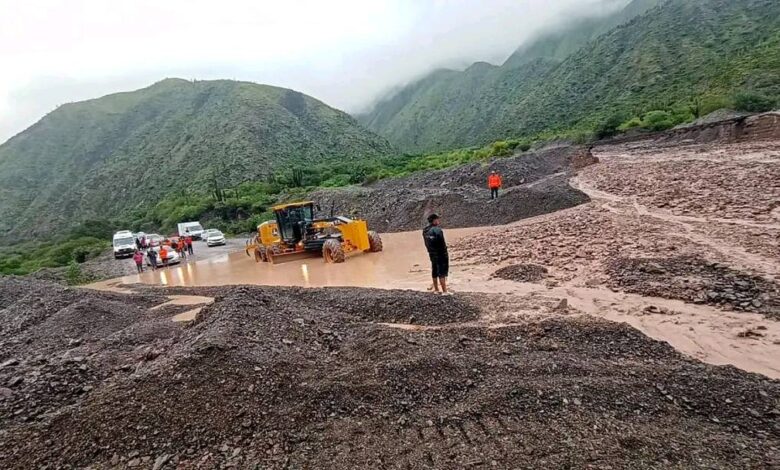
(296,234)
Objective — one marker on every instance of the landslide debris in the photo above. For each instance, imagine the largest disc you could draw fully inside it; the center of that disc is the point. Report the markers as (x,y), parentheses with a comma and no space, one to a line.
(522,273)
(725,185)
(695,280)
(534,183)
(291,378)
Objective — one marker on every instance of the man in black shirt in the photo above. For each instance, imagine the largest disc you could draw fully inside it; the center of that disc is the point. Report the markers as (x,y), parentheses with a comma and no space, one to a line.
(433,236)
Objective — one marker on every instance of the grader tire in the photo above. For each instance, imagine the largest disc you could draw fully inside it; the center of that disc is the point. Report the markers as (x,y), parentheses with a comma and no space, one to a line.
(271,252)
(261,254)
(333,252)
(374,242)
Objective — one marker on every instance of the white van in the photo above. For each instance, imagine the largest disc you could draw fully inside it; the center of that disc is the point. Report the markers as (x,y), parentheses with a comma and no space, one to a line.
(124,244)
(193,229)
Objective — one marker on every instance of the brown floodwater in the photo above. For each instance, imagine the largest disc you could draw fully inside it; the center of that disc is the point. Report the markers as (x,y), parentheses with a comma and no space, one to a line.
(403,264)
(700,331)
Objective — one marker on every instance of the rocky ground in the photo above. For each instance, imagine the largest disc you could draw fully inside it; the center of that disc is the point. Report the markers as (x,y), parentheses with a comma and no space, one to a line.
(356,378)
(696,222)
(522,272)
(534,183)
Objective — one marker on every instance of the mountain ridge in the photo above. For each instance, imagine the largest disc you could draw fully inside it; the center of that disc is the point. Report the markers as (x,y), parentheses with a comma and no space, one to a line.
(660,55)
(127,150)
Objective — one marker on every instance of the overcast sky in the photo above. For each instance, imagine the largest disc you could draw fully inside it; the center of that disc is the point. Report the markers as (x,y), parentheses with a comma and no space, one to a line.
(344,52)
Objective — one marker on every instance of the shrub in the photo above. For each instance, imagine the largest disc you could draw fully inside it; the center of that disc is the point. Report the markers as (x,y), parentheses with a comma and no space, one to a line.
(500,148)
(582,137)
(337,180)
(81,253)
(74,275)
(632,123)
(609,126)
(752,102)
(658,120)
(713,103)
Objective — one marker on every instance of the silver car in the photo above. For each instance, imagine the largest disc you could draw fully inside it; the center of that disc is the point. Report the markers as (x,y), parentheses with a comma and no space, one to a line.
(214,237)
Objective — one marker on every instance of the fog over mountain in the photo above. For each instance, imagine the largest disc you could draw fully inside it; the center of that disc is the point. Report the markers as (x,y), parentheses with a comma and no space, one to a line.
(347,53)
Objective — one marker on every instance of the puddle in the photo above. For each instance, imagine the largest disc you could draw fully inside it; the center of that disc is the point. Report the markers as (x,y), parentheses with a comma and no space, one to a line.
(189,315)
(185,300)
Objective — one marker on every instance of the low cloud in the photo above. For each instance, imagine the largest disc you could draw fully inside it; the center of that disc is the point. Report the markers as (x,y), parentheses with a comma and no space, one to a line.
(346,52)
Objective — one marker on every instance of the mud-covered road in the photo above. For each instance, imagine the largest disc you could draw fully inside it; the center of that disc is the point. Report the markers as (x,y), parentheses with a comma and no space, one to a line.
(679,241)
(637,330)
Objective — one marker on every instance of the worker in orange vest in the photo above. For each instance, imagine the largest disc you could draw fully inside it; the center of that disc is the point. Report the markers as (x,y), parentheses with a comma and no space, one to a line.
(164,256)
(494,183)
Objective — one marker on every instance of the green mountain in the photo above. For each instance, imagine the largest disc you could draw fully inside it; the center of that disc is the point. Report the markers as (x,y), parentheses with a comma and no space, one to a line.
(651,55)
(101,158)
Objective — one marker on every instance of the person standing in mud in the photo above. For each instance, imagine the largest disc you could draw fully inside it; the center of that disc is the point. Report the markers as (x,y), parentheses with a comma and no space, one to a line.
(181,248)
(433,236)
(494,183)
(152,255)
(188,241)
(164,256)
(138,257)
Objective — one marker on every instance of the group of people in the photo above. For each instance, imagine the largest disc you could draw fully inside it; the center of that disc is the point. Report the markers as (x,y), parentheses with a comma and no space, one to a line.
(433,236)
(182,246)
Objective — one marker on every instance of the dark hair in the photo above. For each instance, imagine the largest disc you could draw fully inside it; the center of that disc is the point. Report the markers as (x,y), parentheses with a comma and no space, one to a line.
(432,217)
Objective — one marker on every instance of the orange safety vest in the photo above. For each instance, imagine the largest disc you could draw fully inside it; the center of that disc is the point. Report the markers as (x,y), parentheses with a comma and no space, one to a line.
(494,181)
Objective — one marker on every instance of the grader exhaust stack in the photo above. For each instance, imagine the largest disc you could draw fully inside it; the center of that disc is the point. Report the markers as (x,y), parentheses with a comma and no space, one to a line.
(296,235)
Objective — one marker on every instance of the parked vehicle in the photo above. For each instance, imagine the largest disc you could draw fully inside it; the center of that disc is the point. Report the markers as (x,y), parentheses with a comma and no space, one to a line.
(193,229)
(207,231)
(154,239)
(124,244)
(173,257)
(214,238)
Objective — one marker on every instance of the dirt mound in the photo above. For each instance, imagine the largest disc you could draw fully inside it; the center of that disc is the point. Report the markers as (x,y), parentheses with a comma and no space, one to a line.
(281,378)
(522,273)
(695,280)
(715,128)
(392,306)
(534,183)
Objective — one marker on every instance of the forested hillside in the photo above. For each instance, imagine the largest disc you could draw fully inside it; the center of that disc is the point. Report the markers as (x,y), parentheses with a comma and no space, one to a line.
(682,58)
(99,159)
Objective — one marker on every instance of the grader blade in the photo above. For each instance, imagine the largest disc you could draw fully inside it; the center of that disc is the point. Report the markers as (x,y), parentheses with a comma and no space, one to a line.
(281,258)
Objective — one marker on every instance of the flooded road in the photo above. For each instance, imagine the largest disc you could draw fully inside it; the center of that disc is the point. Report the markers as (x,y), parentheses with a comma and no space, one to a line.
(700,331)
(403,264)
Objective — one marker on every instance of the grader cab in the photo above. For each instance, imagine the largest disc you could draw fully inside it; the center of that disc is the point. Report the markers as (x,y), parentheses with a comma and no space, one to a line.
(296,234)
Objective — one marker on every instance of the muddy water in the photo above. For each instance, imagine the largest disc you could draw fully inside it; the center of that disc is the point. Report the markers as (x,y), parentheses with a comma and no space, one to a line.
(403,264)
(699,331)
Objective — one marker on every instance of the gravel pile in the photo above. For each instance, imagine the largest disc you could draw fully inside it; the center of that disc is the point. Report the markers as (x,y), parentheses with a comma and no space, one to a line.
(534,183)
(695,280)
(522,273)
(286,378)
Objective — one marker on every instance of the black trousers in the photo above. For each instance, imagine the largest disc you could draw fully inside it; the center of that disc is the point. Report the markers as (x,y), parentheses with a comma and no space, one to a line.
(493,193)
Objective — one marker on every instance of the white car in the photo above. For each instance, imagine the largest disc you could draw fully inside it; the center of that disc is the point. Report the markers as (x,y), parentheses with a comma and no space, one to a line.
(214,237)
(173,257)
